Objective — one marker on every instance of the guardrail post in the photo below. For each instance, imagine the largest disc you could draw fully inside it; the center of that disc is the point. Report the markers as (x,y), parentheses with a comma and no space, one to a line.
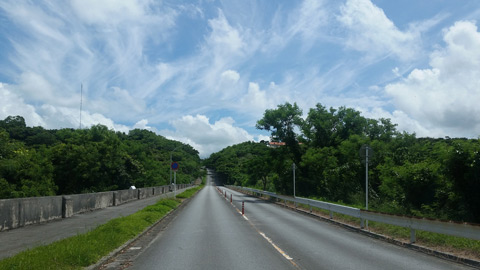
(331,215)
(243,208)
(230,198)
(310,209)
(412,236)
(362,223)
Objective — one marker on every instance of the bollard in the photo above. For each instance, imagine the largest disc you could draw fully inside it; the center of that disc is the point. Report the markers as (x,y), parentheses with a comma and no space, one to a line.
(225,194)
(230,198)
(243,208)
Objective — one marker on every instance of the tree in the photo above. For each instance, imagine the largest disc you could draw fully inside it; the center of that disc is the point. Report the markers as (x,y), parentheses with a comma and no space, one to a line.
(259,165)
(282,122)
(15,126)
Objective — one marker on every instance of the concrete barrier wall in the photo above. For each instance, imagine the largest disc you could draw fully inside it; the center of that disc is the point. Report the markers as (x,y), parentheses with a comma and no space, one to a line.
(16,213)
(127,195)
(20,212)
(91,201)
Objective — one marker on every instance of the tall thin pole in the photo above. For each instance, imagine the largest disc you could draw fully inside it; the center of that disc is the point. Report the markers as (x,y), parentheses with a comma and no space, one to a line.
(293,168)
(171,161)
(81,103)
(366,182)
(366,179)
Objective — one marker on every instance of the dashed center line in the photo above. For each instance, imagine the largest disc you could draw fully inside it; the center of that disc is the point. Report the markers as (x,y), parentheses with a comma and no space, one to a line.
(279,250)
(285,255)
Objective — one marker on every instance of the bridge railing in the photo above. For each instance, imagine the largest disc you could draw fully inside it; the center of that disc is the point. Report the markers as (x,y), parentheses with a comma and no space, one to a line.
(466,230)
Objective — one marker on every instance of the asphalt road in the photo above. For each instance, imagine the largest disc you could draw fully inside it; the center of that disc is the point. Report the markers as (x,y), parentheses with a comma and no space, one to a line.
(210,233)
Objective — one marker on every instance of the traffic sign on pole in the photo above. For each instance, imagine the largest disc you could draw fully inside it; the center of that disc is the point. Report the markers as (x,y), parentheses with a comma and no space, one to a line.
(174,166)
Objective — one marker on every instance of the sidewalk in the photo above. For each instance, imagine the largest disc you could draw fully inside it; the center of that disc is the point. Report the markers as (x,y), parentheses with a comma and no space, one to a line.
(17,240)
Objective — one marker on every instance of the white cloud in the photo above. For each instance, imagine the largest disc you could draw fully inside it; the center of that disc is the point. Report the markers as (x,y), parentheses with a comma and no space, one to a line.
(109,11)
(307,22)
(256,100)
(206,137)
(308,19)
(117,103)
(50,116)
(224,39)
(444,98)
(370,31)
(230,75)
(12,105)
(142,124)
(64,117)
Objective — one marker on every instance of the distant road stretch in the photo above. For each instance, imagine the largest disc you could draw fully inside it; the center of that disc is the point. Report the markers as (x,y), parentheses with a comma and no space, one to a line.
(209,233)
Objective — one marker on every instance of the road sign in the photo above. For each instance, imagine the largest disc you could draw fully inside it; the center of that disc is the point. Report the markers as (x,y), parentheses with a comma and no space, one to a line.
(365,151)
(174,166)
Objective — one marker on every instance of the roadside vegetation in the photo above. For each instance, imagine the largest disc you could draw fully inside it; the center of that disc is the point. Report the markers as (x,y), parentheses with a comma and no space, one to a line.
(39,162)
(424,177)
(86,249)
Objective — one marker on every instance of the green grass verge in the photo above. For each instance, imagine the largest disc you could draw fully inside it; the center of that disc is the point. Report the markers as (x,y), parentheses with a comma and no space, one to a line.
(188,193)
(86,249)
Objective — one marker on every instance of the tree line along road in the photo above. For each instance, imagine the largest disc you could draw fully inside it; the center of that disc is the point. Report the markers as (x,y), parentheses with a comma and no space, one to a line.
(210,233)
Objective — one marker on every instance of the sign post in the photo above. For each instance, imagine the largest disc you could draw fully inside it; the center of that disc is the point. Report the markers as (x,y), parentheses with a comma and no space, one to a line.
(293,168)
(174,167)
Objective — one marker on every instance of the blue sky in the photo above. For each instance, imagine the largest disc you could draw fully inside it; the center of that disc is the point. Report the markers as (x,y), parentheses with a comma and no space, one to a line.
(203,72)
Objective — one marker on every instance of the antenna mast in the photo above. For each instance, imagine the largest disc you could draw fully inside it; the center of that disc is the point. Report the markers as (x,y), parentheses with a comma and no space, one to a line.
(81,103)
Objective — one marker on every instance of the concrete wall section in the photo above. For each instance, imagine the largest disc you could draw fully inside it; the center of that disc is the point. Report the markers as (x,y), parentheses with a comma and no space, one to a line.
(16,213)
(20,212)
(91,201)
(127,195)
(9,214)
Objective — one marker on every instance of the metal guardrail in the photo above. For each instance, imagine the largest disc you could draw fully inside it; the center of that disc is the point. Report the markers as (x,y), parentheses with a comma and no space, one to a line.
(466,230)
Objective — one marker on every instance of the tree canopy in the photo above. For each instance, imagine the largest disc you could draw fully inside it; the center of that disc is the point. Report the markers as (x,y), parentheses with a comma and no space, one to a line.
(39,162)
(427,177)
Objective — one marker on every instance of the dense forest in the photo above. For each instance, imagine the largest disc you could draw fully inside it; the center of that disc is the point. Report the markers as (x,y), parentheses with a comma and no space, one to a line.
(39,162)
(427,177)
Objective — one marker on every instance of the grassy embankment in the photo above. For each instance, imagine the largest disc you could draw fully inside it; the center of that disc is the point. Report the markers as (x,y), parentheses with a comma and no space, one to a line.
(86,249)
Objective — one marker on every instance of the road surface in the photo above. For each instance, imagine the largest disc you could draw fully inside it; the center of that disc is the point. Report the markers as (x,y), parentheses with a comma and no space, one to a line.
(210,233)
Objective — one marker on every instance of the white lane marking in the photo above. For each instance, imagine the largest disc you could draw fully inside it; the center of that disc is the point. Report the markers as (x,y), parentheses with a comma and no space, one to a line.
(285,255)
